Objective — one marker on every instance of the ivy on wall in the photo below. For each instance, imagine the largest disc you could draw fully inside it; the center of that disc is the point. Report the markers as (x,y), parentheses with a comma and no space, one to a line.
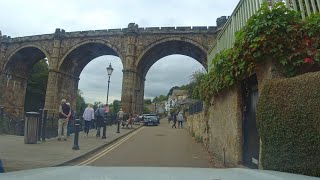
(278,34)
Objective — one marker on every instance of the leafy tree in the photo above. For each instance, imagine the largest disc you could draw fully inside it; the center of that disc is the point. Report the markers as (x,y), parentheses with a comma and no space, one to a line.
(147,101)
(116,106)
(160,98)
(36,86)
(96,105)
(171,90)
(146,110)
(81,104)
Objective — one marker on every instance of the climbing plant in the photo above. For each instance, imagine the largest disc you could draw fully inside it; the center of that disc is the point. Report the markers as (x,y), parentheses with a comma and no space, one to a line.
(276,33)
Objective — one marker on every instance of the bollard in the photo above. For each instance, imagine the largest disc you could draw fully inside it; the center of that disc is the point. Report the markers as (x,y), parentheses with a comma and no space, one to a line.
(31,127)
(118,129)
(40,124)
(76,135)
(44,125)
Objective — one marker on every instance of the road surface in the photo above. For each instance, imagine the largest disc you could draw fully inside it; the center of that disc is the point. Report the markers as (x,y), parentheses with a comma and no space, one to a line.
(157,146)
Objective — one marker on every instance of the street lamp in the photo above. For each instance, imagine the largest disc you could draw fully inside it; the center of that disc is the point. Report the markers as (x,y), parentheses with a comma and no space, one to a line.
(109,70)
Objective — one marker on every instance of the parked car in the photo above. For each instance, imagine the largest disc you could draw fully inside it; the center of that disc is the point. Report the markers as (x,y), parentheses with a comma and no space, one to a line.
(150,119)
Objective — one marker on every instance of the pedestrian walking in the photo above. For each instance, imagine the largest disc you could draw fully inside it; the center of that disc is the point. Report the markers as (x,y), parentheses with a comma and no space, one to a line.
(88,116)
(120,115)
(64,115)
(180,119)
(174,117)
(100,118)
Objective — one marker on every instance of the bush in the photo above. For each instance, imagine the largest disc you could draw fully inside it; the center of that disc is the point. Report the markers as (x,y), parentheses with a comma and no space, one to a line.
(288,119)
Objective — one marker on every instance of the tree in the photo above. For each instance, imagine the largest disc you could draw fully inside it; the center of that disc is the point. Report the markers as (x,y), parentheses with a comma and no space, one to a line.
(160,98)
(36,86)
(155,99)
(146,110)
(116,106)
(80,104)
(196,78)
(147,101)
(96,105)
(171,90)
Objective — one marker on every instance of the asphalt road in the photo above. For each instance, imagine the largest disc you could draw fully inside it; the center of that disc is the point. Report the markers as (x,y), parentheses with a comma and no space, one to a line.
(157,146)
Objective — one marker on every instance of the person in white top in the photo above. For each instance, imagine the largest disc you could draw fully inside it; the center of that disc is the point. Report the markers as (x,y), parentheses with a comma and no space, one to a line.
(88,116)
(180,119)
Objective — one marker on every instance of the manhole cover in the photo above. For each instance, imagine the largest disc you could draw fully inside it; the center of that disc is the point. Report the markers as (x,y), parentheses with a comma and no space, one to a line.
(160,135)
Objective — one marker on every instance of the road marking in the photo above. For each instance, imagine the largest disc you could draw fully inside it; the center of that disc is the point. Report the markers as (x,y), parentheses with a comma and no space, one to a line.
(107,150)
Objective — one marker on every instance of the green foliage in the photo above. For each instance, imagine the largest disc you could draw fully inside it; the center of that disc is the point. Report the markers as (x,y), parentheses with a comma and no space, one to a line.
(147,101)
(160,98)
(146,110)
(171,90)
(37,85)
(199,139)
(80,104)
(96,105)
(193,134)
(288,123)
(278,34)
(194,85)
(116,106)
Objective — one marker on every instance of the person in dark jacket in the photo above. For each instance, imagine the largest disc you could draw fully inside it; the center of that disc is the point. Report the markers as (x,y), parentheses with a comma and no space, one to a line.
(100,114)
(174,118)
(64,116)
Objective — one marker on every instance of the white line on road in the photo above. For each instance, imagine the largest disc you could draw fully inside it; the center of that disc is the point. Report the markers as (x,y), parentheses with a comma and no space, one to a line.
(107,150)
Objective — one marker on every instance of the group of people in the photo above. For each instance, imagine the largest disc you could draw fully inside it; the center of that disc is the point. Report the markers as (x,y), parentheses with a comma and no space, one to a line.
(90,116)
(176,117)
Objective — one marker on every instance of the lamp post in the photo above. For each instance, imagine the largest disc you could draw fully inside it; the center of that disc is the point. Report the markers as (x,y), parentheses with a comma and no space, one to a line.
(109,70)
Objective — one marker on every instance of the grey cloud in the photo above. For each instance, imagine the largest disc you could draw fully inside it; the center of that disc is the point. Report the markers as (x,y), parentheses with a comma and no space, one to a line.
(22,18)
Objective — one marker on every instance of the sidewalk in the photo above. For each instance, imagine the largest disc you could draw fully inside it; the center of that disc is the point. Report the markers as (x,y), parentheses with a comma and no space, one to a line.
(16,155)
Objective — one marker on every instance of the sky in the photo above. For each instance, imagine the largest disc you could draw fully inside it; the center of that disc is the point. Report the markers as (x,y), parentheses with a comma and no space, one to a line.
(33,17)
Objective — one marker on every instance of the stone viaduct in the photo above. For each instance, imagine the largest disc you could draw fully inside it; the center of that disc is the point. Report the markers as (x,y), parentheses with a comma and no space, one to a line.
(69,52)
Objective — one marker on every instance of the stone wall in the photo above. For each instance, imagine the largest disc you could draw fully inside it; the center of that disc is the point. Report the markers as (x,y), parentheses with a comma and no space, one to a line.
(225,127)
(197,126)
(220,129)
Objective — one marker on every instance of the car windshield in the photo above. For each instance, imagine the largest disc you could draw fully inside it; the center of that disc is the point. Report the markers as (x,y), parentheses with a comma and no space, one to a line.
(174,84)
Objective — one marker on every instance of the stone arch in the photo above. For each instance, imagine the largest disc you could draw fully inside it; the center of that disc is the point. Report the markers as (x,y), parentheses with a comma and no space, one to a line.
(169,46)
(37,51)
(94,48)
(18,65)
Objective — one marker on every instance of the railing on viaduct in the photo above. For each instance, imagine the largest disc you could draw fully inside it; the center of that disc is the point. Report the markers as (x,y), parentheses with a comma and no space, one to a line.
(244,10)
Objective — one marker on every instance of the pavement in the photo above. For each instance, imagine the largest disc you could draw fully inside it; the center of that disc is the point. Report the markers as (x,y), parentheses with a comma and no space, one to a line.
(16,155)
(153,146)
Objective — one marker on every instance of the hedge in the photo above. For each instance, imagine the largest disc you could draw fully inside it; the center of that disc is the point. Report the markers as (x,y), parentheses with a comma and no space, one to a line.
(288,120)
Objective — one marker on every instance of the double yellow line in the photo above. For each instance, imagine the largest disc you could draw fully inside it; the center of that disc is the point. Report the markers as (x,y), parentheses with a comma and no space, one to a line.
(107,150)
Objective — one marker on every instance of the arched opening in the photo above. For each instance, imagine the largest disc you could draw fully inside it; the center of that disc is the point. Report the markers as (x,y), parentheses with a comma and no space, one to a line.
(92,80)
(171,47)
(26,74)
(169,64)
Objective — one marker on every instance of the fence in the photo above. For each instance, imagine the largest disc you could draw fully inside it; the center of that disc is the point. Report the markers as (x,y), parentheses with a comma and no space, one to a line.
(196,107)
(15,126)
(244,10)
